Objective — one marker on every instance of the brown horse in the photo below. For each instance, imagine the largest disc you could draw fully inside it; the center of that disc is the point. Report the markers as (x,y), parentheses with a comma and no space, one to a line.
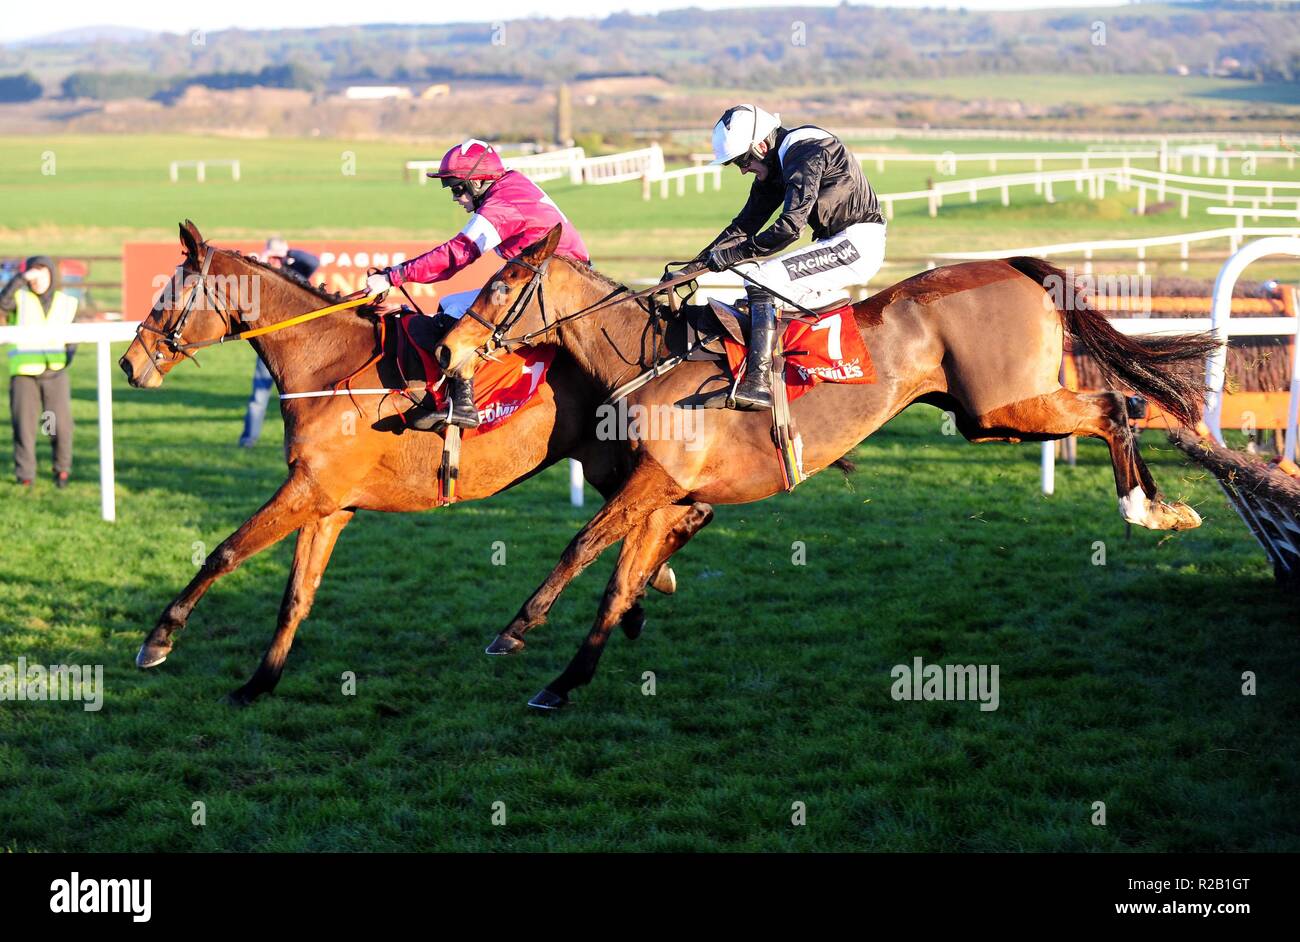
(338,465)
(983,340)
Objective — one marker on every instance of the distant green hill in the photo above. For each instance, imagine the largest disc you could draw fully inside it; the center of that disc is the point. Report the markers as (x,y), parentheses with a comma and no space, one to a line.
(761,48)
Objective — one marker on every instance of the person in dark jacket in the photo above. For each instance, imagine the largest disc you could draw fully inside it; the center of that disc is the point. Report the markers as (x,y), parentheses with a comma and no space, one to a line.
(815,181)
(277,254)
(40,394)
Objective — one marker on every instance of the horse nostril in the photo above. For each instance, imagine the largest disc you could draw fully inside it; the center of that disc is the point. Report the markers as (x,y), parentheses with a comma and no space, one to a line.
(443,355)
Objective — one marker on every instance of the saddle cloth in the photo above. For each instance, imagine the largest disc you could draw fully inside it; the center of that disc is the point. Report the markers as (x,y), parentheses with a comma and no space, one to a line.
(827,350)
(503,387)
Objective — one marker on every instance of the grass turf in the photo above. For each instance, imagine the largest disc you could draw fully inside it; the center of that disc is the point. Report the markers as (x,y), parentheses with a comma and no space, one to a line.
(1120,682)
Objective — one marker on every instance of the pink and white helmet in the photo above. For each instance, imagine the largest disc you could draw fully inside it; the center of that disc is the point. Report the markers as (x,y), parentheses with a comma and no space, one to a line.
(472,160)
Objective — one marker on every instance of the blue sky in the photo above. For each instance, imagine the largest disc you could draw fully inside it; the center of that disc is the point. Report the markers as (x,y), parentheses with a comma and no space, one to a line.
(258,14)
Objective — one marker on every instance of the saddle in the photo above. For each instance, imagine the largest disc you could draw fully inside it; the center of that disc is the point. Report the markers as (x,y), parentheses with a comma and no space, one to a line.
(720,332)
(697,331)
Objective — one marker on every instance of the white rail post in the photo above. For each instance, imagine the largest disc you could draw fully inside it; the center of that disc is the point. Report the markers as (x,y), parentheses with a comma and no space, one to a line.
(234,170)
(172,172)
(1049,468)
(199,168)
(1221,311)
(575,483)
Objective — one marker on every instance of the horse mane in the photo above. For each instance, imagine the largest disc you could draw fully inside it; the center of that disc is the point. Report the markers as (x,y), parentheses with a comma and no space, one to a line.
(293,277)
(587,269)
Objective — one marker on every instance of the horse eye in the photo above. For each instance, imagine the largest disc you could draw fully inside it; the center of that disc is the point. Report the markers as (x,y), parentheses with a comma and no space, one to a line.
(500,288)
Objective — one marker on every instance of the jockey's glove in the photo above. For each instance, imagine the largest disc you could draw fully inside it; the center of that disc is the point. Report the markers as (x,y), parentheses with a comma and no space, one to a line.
(378,283)
(720,259)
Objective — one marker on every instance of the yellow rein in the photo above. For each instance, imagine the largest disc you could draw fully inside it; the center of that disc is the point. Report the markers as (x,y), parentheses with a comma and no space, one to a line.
(301,318)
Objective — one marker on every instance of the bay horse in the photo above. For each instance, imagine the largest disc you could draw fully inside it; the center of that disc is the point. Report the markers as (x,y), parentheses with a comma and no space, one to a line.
(982,340)
(338,465)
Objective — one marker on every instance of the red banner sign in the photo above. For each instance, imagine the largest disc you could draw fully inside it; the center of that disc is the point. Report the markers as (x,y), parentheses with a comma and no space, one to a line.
(148,266)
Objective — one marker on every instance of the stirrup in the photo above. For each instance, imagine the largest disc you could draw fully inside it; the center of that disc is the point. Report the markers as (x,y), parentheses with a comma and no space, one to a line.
(424,416)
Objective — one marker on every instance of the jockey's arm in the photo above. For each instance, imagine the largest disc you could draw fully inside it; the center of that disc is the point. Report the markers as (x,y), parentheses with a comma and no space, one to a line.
(764,198)
(801,191)
(478,237)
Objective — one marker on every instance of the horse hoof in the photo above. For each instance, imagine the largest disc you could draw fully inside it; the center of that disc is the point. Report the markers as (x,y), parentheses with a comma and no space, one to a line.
(665,580)
(1166,516)
(151,655)
(547,700)
(238,698)
(504,644)
(1188,519)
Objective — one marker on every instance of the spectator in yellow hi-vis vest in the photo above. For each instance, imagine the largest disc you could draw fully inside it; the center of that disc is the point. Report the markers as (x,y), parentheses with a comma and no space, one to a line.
(40,396)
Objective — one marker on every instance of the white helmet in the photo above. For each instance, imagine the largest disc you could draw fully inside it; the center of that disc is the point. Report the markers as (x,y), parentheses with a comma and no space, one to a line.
(739,129)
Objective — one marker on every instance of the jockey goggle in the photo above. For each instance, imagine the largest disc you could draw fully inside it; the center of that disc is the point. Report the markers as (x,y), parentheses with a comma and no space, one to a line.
(746,160)
(460,188)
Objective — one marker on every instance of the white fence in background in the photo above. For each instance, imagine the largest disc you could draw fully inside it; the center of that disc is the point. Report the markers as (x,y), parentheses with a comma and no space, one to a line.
(101,334)
(1127,248)
(548,165)
(1254,212)
(573,163)
(1043,182)
(680,176)
(201,168)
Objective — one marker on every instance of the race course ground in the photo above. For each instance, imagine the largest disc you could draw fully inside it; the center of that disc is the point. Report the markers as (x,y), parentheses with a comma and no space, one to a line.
(1119,683)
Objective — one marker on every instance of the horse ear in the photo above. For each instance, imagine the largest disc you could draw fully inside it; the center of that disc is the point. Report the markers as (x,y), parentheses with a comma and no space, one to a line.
(544,247)
(190,239)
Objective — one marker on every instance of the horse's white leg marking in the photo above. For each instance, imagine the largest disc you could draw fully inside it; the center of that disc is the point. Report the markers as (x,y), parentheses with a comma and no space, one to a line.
(1135,507)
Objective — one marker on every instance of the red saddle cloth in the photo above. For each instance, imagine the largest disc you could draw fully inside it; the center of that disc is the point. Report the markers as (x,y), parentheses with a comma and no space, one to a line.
(827,350)
(503,387)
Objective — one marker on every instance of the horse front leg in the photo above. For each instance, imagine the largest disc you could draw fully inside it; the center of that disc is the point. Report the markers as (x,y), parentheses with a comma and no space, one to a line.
(297,501)
(311,555)
(667,530)
(646,490)
(666,541)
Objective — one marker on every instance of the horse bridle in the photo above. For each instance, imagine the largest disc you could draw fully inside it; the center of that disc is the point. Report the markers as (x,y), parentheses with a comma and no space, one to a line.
(498,339)
(173,337)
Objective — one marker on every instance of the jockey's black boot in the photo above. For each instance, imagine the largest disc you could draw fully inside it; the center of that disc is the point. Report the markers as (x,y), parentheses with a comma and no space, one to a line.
(461,410)
(754,393)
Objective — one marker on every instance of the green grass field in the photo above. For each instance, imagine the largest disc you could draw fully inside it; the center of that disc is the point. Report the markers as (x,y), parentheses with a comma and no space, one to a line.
(1120,683)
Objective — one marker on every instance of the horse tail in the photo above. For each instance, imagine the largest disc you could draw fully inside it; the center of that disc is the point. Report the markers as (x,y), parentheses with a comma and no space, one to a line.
(1164,369)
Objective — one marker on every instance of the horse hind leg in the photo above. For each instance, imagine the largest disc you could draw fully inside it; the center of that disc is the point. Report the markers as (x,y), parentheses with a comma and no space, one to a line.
(1100,415)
